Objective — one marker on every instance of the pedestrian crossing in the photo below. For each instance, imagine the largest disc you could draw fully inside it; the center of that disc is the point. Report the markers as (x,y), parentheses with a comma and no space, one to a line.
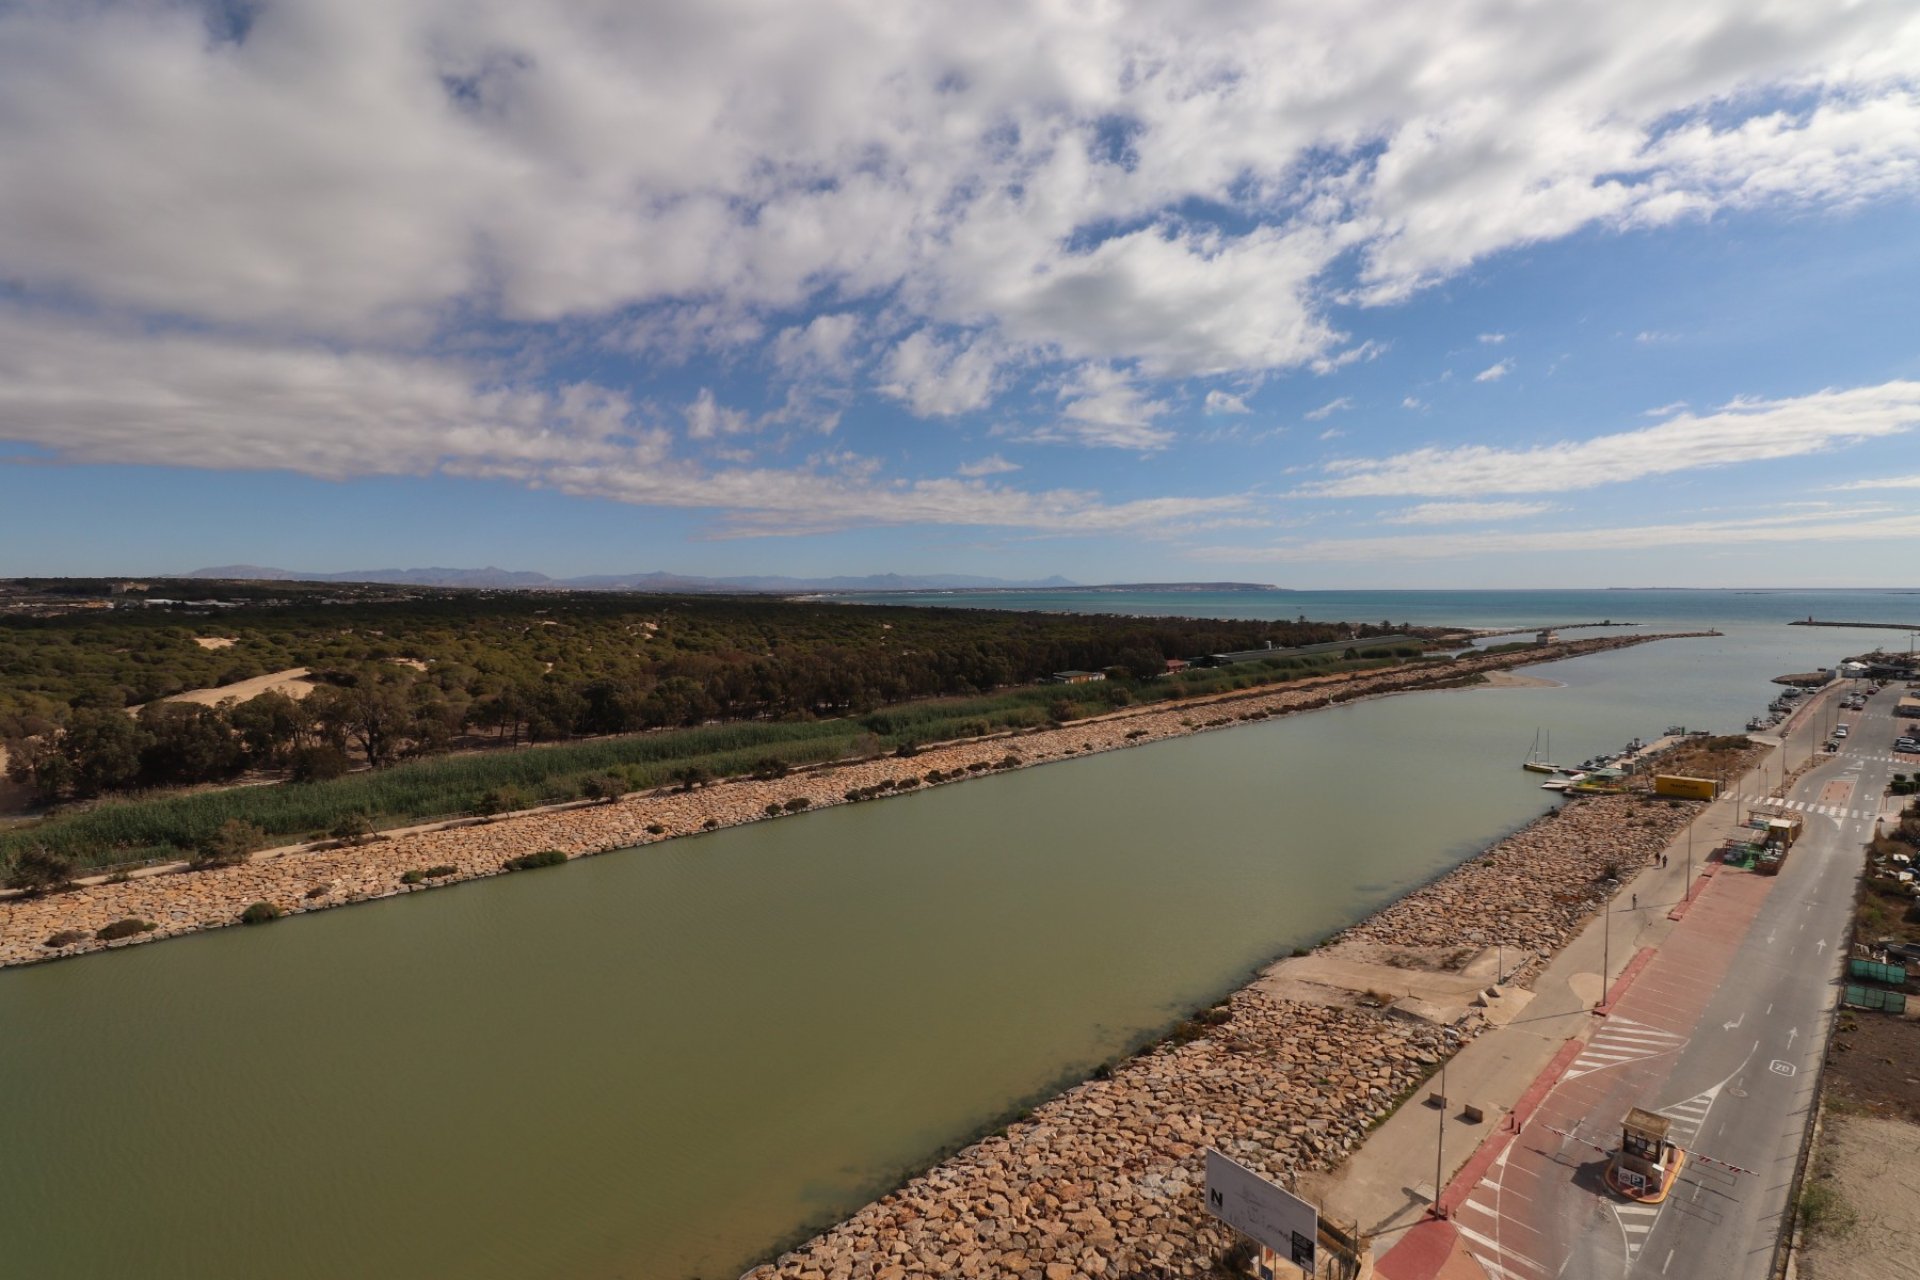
(1621,1041)
(1839,811)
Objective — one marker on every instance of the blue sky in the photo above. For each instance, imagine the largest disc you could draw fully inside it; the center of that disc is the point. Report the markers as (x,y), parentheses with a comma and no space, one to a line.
(1476,296)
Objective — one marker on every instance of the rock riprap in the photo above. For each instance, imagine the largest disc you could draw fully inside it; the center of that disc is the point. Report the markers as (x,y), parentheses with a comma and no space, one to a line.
(1106,1178)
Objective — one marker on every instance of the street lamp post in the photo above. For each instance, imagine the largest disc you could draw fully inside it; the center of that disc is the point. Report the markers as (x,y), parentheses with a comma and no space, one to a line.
(1440,1145)
(1606,946)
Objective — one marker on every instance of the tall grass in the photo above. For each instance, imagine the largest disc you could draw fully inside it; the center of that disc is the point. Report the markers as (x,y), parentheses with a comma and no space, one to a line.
(161,826)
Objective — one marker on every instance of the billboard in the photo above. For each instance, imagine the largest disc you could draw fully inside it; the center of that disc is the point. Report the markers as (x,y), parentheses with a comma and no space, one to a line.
(1672,784)
(1254,1207)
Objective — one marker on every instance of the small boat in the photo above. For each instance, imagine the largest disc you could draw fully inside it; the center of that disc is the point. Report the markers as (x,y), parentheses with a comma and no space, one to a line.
(1533,763)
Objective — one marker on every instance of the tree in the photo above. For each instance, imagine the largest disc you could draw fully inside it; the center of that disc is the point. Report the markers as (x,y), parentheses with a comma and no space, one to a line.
(1141,663)
(104,749)
(186,742)
(270,727)
(40,764)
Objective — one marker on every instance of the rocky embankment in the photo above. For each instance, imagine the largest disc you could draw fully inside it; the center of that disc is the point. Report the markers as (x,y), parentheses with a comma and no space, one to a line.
(1106,1178)
(1533,889)
(309,878)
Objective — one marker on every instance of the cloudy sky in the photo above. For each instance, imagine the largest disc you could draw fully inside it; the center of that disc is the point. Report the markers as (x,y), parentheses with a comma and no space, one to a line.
(1465,292)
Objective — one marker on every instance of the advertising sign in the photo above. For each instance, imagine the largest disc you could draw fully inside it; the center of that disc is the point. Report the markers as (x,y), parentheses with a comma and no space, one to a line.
(1269,1214)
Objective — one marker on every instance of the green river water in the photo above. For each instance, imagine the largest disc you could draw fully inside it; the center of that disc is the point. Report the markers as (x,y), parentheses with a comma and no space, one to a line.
(664,1063)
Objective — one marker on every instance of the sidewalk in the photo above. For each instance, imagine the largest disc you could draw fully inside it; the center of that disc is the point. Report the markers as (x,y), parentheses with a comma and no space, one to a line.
(1388,1185)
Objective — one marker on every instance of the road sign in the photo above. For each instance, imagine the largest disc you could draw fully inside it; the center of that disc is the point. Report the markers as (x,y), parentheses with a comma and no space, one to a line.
(1255,1207)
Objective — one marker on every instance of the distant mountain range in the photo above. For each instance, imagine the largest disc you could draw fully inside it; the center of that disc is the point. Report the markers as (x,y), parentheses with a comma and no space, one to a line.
(507,579)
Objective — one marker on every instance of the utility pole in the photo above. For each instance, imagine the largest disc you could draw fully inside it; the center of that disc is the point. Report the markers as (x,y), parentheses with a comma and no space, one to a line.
(1690,861)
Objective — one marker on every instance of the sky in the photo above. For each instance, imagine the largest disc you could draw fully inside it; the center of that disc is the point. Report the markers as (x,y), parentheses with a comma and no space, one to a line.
(1472,293)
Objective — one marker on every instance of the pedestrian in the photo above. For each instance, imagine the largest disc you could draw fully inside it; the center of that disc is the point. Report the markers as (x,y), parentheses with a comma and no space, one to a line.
(1636,902)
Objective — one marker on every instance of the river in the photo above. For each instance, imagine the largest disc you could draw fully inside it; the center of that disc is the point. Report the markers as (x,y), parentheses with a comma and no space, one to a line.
(663,1064)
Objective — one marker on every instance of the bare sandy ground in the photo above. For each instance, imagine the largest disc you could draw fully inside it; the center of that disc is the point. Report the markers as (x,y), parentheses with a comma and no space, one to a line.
(1875,1164)
(1514,680)
(293,682)
(214,642)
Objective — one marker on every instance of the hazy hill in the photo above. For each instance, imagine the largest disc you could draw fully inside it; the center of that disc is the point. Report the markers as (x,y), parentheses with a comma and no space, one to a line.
(506,578)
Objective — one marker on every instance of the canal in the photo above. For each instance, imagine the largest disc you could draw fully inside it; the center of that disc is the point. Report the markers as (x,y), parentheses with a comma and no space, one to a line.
(664,1063)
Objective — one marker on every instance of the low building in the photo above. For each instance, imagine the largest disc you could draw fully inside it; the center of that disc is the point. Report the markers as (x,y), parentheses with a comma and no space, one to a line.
(1078,677)
(1176,665)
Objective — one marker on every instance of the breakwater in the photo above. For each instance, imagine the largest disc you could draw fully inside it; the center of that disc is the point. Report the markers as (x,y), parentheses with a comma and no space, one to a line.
(307,878)
(1106,1178)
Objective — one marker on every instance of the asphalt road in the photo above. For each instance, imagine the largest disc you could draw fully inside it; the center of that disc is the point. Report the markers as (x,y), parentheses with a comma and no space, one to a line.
(1723,1032)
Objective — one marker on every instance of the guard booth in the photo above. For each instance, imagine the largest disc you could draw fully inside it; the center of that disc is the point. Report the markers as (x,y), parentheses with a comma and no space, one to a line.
(1645,1166)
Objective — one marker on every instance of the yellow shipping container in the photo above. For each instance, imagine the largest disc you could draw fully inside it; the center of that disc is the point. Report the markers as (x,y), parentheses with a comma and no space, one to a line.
(1672,784)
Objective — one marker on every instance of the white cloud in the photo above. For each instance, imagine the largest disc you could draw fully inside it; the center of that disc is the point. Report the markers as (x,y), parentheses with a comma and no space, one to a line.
(1222,402)
(1743,431)
(1332,433)
(1655,337)
(1493,339)
(397,178)
(1494,372)
(707,417)
(1412,402)
(938,379)
(991,465)
(821,346)
(1880,482)
(1102,407)
(1863,526)
(180,400)
(1367,351)
(1662,411)
(1465,512)
(1328,409)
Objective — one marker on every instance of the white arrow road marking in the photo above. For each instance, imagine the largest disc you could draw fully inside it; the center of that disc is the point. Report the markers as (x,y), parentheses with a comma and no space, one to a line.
(1821,946)
(1792,1036)
(1735,1024)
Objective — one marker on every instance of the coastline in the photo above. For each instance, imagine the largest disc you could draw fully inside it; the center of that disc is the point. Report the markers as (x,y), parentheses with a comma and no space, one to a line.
(304,878)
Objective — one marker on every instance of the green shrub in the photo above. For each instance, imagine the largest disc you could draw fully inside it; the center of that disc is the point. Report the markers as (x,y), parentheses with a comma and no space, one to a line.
(318,891)
(604,786)
(710,824)
(798,803)
(441,870)
(37,869)
(317,764)
(127,928)
(260,913)
(351,828)
(656,829)
(228,846)
(66,938)
(528,861)
(413,876)
(774,809)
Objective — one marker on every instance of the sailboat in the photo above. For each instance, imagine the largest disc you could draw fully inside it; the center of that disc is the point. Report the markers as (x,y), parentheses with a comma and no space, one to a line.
(1533,763)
